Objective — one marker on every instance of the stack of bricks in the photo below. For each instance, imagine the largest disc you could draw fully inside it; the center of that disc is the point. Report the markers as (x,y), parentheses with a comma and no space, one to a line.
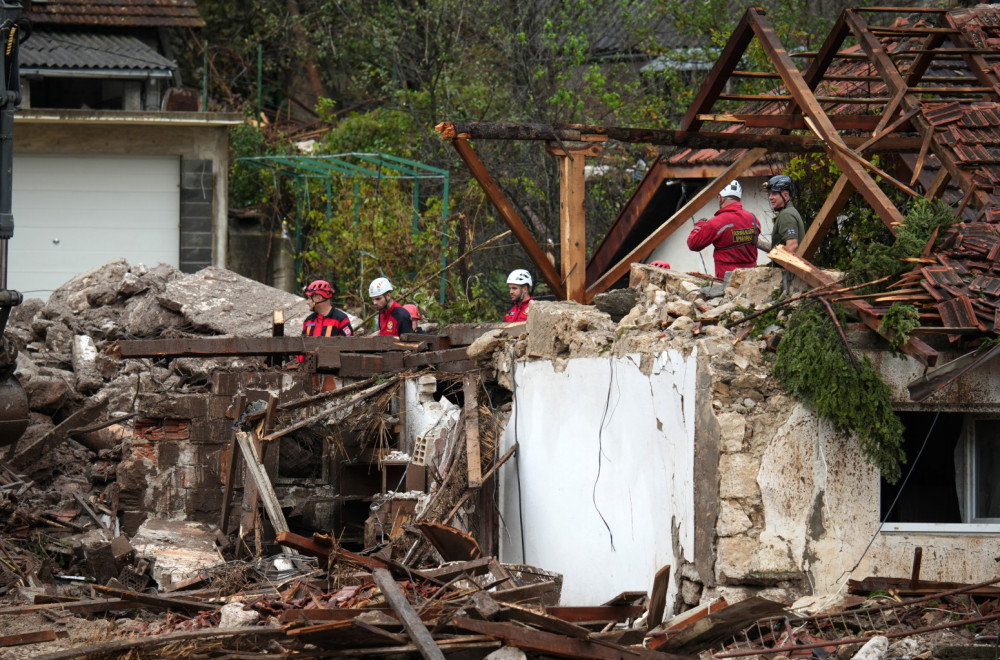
(175,464)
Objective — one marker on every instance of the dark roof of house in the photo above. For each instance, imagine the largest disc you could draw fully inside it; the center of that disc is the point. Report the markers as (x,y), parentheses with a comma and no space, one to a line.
(116,13)
(83,50)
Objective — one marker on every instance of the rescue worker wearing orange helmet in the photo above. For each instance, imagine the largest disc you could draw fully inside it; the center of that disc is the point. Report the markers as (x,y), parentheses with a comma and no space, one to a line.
(393,319)
(326,320)
(519,286)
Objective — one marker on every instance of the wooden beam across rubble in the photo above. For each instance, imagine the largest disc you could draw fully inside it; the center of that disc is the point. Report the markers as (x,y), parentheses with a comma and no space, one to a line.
(345,356)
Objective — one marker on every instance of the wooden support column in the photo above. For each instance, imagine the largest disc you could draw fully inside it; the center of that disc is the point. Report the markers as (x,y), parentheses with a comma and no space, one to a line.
(642,250)
(470,391)
(820,227)
(800,91)
(572,224)
(510,216)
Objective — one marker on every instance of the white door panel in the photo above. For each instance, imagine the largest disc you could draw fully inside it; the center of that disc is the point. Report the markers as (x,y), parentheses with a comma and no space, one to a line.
(74,213)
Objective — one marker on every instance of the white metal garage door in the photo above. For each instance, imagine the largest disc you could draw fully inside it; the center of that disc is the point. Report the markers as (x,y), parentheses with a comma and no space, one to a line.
(74,213)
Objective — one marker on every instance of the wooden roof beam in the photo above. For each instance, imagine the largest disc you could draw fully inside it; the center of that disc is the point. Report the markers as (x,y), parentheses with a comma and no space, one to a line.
(796,85)
(875,52)
(695,140)
(510,216)
(719,75)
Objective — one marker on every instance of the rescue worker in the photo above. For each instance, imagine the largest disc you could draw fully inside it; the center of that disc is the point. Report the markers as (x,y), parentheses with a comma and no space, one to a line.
(788,227)
(732,231)
(393,319)
(519,286)
(414,315)
(326,320)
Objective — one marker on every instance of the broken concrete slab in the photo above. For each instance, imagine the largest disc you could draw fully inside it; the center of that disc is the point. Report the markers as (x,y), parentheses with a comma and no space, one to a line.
(88,377)
(220,301)
(561,329)
(180,549)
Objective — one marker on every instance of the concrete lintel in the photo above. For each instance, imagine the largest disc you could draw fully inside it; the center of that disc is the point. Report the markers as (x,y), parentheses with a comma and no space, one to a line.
(119,117)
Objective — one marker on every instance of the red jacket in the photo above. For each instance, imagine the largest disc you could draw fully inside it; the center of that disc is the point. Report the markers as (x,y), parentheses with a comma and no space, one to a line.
(394,321)
(733,232)
(519,312)
(335,324)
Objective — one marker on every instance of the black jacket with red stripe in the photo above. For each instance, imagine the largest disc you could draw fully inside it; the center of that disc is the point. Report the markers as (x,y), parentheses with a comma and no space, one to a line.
(335,323)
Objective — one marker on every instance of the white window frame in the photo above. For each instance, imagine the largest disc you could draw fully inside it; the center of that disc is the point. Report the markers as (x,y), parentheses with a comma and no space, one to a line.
(974,526)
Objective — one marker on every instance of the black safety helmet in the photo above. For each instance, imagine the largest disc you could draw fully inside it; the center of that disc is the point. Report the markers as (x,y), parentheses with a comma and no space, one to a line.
(780,182)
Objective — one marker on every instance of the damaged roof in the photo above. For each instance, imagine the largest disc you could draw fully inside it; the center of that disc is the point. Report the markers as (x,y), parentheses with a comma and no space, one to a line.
(116,13)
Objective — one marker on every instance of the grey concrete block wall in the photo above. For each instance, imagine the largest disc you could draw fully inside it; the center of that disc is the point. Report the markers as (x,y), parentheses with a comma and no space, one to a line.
(197,191)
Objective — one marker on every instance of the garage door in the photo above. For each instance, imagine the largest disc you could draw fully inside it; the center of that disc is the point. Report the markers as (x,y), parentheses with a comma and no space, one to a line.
(74,213)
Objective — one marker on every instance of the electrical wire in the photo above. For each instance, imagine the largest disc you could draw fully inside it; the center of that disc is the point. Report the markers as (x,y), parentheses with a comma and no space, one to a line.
(600,450)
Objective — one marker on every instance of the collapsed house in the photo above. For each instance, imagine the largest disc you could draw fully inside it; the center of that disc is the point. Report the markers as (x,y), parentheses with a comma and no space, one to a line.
(594,454)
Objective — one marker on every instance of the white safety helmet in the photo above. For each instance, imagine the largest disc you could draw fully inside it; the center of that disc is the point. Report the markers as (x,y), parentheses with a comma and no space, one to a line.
(379,287)
(734,189)
(519,276)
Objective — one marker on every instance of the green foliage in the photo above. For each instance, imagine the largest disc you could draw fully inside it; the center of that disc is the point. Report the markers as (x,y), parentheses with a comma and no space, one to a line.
(877,260)
(813,366)
(898,323)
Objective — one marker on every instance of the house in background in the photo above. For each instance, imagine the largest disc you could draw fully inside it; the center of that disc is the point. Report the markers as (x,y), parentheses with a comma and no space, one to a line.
(110,157)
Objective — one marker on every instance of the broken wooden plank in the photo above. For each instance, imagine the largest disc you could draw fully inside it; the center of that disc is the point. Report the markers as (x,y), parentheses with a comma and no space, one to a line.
(84,606)
(552,624)
(313,548)
(525,593)
(32,637)
(177,604)
(252,464)
(589,614)
(447,572)
(558,645)
(721,625)
(59,433)
(407,615)
(816,277)
(330,410)
(109,648)
(658,596)
(227,496)
(244,346)
(470,390)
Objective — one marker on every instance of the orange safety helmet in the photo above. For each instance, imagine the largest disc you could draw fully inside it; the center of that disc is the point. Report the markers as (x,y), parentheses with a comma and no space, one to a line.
(320,288)
(413,310)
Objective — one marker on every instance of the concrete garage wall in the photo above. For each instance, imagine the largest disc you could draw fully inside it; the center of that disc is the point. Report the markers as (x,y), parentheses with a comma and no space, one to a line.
(601,438)
(200,140)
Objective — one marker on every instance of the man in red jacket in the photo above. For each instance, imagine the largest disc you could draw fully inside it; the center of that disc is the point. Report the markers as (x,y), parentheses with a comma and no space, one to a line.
(393,319)
(326,320)
(732,231)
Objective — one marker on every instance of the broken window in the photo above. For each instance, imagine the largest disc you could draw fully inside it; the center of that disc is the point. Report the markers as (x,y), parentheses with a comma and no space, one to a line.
(953,480)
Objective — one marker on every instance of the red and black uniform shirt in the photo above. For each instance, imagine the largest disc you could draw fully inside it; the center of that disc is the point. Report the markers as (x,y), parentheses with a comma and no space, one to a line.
(517,313)
(335,323)
(394,321)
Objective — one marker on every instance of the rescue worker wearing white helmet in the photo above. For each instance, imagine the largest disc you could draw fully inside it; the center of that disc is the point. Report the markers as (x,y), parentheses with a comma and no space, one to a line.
(732,232)
(519,286)
(393,319)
